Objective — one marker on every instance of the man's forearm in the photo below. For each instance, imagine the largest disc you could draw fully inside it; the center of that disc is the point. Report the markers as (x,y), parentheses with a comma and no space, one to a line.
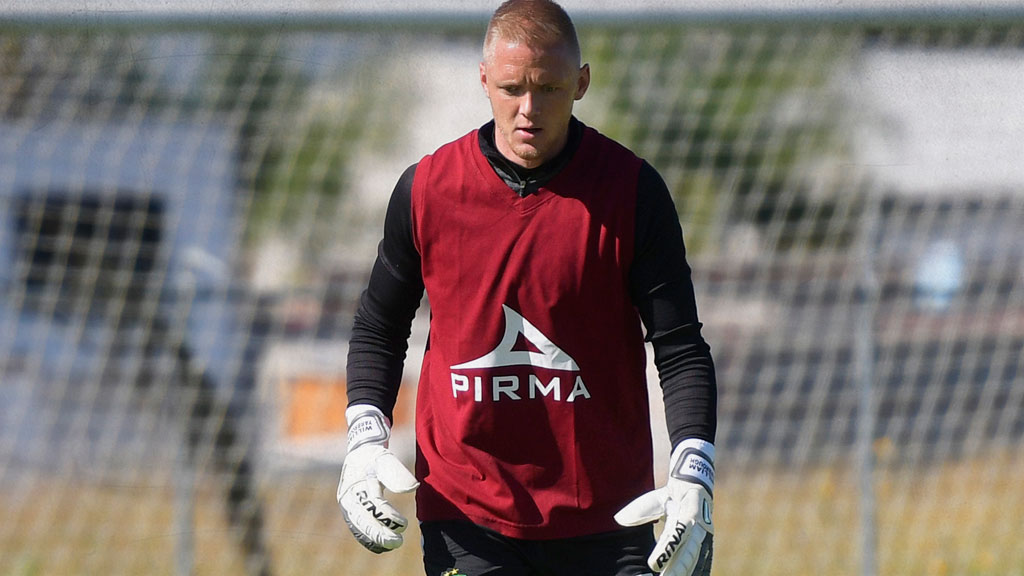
(687,374)
(380,339)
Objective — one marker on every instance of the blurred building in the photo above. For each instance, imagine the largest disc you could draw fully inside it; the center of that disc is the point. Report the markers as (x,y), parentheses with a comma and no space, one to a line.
(116,246)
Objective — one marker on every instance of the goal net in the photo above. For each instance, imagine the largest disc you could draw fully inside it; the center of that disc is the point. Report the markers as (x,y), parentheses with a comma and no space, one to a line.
(189,211)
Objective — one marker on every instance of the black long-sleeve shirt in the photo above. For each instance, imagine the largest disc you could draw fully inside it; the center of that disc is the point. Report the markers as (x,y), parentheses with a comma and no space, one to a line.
(659,284)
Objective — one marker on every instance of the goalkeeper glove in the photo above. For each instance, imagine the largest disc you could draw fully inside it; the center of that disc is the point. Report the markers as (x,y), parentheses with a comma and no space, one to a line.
(374,522)
(684,547)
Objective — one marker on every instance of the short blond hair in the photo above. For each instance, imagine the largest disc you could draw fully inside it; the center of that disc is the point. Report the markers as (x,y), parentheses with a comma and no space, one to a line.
(539,23)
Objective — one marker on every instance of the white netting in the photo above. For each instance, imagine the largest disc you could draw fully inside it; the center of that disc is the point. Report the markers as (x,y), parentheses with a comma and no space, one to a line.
(188,215)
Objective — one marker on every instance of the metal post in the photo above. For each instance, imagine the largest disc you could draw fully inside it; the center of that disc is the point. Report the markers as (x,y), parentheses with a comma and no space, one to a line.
(184,500)
(182,296)
(865,372)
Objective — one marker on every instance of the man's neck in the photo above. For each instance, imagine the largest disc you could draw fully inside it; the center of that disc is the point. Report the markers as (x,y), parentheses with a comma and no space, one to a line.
(525,181)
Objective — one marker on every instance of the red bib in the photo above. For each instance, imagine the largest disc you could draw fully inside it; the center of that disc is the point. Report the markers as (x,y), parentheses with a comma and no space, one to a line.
(532,412)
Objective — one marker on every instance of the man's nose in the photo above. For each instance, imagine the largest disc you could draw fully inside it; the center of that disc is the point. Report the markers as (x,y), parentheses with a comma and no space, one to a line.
(528,104)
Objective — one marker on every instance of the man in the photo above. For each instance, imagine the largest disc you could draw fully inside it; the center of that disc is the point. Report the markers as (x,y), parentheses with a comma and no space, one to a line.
(541,245)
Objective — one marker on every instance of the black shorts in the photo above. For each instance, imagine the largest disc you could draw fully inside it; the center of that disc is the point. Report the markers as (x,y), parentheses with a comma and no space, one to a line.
(465,549)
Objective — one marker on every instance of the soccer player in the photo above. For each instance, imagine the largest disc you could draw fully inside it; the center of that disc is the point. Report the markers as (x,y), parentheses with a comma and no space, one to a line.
(546,250)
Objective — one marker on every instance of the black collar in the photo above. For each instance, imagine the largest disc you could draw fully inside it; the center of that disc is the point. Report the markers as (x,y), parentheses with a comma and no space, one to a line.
(526,181)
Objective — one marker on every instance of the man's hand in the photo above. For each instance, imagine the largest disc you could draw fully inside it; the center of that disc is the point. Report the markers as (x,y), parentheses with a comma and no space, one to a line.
(684,547)
(373,521)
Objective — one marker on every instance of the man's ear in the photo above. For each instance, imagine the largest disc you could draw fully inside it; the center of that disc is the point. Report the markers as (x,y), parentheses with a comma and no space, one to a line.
(584,82)
(483,76)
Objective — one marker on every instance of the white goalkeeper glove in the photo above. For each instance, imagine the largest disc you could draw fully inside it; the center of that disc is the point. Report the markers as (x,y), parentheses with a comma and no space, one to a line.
(684,547)
(374,522)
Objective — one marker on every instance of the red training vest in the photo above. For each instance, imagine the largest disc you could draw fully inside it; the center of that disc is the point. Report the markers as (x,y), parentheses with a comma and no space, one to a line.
(532,414)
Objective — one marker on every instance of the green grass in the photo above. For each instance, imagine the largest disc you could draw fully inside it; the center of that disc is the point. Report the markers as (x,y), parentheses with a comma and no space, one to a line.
(957,518)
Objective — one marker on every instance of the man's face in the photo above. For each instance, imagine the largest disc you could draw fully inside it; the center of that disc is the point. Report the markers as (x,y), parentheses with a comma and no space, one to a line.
(532,91)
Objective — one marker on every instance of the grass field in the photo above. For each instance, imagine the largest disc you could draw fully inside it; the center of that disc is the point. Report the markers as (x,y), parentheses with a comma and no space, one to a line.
(959,518)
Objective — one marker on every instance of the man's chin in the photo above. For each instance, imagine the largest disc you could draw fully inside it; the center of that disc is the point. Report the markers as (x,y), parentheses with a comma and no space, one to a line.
(528,156)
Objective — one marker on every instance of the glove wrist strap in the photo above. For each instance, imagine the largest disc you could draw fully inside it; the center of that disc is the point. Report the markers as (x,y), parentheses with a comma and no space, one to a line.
(692,461)
(367,425)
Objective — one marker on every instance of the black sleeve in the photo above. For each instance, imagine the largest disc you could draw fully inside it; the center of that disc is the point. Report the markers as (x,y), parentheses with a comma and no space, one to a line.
(383,322)
(662,291)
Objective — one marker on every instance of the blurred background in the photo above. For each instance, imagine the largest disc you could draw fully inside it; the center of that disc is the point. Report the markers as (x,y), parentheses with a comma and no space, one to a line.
(191,197)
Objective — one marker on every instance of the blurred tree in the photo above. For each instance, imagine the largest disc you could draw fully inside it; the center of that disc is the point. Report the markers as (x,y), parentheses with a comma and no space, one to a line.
(301,130)
(732,109)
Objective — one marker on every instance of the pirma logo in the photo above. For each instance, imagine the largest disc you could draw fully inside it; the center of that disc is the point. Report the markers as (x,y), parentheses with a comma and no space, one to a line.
(522,344)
